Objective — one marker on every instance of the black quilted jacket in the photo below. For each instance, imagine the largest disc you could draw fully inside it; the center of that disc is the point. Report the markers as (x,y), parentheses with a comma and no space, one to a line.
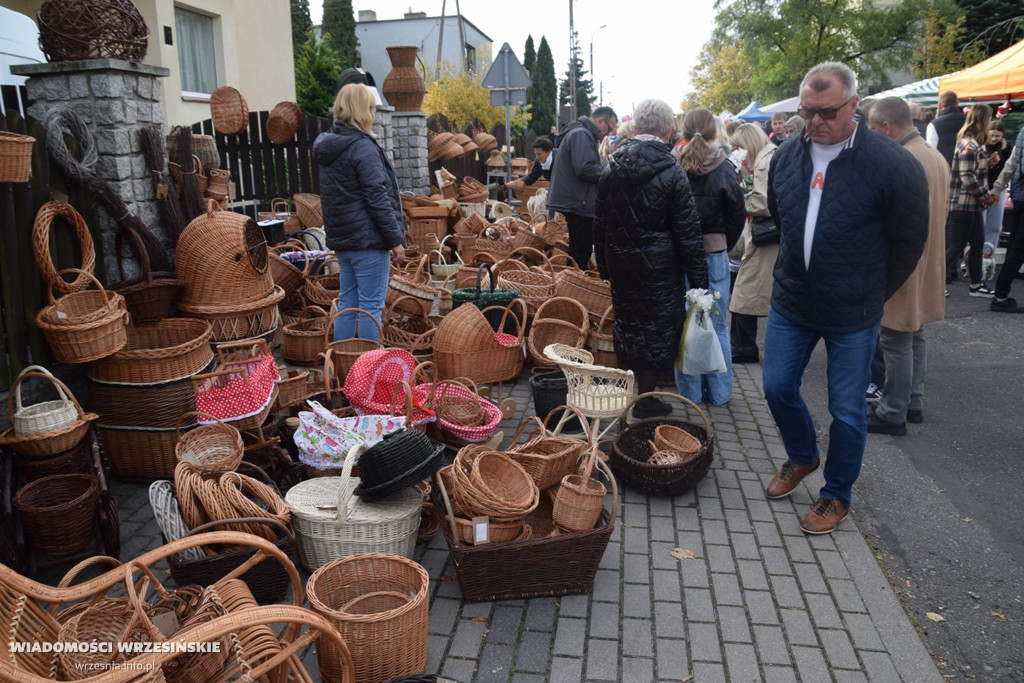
(719,201)
(870,233)
(647,240)
(358,191)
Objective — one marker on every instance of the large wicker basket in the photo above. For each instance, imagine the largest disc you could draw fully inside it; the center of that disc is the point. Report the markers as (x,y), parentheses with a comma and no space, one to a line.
(157,352)
(59,512)
(15,157)
(594,293)
(380,605)
(229,111)
(465,345)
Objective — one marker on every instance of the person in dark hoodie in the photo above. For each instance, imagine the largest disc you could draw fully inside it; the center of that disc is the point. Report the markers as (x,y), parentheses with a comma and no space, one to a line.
(647,244)
(719,200)
(362,209)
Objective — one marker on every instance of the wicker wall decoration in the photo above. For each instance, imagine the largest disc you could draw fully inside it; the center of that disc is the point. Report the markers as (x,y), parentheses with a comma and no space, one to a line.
(70,30)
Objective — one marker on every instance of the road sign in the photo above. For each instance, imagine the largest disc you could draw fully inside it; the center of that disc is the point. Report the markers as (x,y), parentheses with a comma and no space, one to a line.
(516,97)
(515,77)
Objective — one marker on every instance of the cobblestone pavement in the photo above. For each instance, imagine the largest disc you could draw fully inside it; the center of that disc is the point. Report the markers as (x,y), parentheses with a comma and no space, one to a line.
(759,600)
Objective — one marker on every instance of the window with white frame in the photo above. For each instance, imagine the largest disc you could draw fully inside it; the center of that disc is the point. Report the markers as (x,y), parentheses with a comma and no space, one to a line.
(196,56)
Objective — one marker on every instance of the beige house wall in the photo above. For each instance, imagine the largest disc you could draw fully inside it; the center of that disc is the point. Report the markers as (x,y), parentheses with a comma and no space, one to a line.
(253,50)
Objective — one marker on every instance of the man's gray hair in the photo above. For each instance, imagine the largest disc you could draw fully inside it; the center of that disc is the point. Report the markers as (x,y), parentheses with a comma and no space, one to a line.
(891,110)
(654,117)
(821,75)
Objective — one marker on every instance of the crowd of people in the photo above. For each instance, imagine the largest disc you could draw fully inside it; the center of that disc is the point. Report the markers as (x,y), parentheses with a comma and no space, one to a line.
(661,202)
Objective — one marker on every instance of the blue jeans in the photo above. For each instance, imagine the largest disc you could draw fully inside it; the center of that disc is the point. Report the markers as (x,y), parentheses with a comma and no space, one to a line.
(787,349)
(363,276)
(717,386)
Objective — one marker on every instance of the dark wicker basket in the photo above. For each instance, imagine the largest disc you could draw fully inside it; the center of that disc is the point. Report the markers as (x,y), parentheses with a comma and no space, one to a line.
(78,460)
(631,450)
(59,512)
(268,580)
(71,30)
(538,567)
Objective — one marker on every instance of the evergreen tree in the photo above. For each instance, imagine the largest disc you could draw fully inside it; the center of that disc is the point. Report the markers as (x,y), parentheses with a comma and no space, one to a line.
(584,88)
(529,56)
(300,23)
(994,24)
(339,21)
(316,72)
(544,98)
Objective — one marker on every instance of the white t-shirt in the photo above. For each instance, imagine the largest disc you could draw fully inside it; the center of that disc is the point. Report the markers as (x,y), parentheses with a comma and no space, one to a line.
(821,156)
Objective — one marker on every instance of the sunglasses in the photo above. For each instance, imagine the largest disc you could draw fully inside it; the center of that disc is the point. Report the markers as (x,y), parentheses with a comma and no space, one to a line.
(827,113)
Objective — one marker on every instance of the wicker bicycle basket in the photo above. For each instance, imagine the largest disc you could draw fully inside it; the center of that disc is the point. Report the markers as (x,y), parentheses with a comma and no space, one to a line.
(631,452)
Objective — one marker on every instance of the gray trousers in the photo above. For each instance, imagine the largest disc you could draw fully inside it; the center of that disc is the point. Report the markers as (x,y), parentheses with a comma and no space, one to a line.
(905,360)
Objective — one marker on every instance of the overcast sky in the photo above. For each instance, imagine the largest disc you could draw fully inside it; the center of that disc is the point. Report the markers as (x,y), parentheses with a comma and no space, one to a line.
(645,50)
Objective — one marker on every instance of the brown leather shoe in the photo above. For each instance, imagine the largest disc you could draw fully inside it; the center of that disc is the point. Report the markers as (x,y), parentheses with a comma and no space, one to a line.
(824,517)
(789,476)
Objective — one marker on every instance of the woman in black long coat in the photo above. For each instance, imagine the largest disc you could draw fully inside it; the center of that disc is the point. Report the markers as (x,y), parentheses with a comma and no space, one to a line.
(647,241)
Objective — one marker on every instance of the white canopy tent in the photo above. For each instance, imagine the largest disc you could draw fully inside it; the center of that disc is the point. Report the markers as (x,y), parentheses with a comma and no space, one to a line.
(788,105)
(924,92)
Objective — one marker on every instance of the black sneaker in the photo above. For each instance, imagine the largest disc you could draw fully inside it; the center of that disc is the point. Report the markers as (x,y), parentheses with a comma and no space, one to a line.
(651,407)
(877,425)
(981,291)
(874,393)
(915,416)
(1006,305)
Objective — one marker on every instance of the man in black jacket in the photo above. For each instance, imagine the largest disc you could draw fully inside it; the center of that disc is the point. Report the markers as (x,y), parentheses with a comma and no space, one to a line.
(941,132)
(847,244)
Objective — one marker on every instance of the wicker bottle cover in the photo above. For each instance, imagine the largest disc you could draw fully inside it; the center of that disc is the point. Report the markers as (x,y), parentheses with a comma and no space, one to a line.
(404,87)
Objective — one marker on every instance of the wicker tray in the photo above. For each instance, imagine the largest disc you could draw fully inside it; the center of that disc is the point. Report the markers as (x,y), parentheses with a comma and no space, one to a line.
(631,450)
(538,567)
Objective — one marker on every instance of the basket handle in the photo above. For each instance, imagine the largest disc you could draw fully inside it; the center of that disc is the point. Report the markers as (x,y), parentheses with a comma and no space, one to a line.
(136,592)
(508,311)
(588,464)
(344,495)
(90,276)
(626,414)
(603,467)
(327,374)
(390,309)
(38,370)
(319,244)
(579,415)
(278,202)
(230,353)
(14,393)
(340,312)
(197,413)
(139,248)
(410,402)
(293,245)
(316,310)
(199,380)
(480,276)
(531,251)
(285,531)
(522,425)
(448,507)
(604,318)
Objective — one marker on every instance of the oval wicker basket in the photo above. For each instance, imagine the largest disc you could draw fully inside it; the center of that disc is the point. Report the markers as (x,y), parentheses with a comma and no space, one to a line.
(156,352)
(209,447)
(303,340)
(283,122)
(229,111)
(44,416)
(79,328)
(307,208)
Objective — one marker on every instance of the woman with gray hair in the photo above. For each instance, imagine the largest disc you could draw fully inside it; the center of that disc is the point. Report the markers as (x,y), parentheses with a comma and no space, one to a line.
(647,242)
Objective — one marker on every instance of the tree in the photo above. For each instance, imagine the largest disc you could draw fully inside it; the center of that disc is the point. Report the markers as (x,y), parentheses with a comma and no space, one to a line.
(300,23)
(461,98)
(339,21)
(994,24)
(529,55)
(720,80)
(584,87)
(938,54)
(542,97)
(782,40)
(316,72)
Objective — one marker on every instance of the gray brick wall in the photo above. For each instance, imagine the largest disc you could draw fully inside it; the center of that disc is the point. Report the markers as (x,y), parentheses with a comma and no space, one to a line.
(409,139)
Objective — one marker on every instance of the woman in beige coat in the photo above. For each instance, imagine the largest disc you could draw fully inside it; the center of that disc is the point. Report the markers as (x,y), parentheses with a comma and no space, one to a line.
(752,292)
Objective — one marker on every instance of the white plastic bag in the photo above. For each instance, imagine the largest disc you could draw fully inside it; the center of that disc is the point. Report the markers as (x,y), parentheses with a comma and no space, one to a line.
(700,350)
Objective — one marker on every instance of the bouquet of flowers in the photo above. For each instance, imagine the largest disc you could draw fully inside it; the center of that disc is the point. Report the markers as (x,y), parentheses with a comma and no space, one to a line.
(738,157)
(700,351)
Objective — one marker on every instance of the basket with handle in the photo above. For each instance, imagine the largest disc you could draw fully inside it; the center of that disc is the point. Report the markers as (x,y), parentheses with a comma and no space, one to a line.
(104,620)
(601,340)
(15,157)
(53,441)
(322,287)
(414,333)
(673,444)
(558,320)
(302,340)
(461,411)
(286,274)
(545,457)
(535,286)
(150,296)
(631,451)
(243,388)
(411,293)
(442,270)
(346,351)
(44,416)
(594,293)
(580,498)
(80,308)
(484,298)
(209,447)
(499,361)
(41,246)
(280,210)
(308,209)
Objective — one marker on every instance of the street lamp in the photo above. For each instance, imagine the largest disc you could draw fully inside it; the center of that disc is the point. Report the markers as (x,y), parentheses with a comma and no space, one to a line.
(592,51)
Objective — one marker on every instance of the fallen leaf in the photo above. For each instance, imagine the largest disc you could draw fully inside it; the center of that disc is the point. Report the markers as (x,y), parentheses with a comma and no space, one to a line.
(478,619)
(445,577)
(687,678)
(908,583)
(997,614)
(935,617)
(968,519)
(681,554)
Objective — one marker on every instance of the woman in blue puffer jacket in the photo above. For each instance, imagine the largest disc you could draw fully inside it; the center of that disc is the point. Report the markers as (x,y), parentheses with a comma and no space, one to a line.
(362,208)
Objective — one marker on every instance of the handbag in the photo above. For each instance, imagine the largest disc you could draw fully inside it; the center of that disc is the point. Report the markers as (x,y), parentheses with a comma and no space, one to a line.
(764,232)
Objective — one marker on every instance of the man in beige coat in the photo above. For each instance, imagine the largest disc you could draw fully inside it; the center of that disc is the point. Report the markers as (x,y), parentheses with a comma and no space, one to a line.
(921,299)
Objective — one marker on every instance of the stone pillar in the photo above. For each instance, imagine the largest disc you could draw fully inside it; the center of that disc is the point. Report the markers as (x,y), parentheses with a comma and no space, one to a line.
(383,128)
(116,99)
(410,147)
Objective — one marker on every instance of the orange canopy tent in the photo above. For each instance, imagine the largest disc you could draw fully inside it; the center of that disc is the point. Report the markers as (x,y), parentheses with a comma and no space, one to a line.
(999,77)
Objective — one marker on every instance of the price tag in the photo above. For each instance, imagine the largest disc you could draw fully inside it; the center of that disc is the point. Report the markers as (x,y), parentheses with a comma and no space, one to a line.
(481,530)
(161,192)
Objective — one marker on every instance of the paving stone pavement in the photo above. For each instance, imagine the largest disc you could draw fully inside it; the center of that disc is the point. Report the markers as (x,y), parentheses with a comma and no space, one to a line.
(759,600)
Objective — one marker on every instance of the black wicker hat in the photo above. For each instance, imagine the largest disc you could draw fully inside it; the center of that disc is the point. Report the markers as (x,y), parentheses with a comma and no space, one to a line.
(398,461)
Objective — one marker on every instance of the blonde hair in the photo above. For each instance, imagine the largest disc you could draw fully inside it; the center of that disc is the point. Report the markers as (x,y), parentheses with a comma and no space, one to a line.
(352,107)
(979,118)
(699,130)
(751,139)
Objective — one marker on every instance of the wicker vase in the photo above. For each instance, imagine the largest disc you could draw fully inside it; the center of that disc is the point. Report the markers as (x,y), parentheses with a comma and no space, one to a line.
(404,87)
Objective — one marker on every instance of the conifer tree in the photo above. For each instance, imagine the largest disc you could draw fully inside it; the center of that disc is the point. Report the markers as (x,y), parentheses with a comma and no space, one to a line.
(339,21)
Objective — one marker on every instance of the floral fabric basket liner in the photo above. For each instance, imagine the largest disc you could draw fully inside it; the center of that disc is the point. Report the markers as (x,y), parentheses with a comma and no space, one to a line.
(324,439)
(237,391)
(373,380)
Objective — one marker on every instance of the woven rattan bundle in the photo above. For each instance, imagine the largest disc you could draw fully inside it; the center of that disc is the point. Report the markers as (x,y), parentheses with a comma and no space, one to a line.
(380,605)
(303,340)
(233,496)
(559,320)
(229,111)
(330,522)
(222,258)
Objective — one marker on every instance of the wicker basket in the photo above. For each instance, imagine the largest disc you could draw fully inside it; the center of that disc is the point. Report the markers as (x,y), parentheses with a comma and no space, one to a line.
(281,211)
(149,406)
(322,288)
(239,321)
(594,293)
(104,620)
(537,567)
(380,605)
(77,460)
(150,296)
(580,498)
(308,209)
(139,454)
(331,523)
(416,285)
(82,334)
(44,416)
(229,111)
(344,352)
(631,452)
(558,320)
(156,352)
(41,246)
(286,274)
(59,512)
(465,345)
(601,341)
(15,157)
(414,333)
(53,441)
(209,447)
(283,122)
(302,340)
(675,441)
(545,457)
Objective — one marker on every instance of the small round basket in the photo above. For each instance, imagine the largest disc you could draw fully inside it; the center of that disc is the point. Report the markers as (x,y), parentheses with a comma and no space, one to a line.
(209,447)
(580,499)
(44,416)
(59,512)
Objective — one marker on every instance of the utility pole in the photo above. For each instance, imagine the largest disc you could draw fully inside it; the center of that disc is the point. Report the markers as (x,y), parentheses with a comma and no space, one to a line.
(572,66)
